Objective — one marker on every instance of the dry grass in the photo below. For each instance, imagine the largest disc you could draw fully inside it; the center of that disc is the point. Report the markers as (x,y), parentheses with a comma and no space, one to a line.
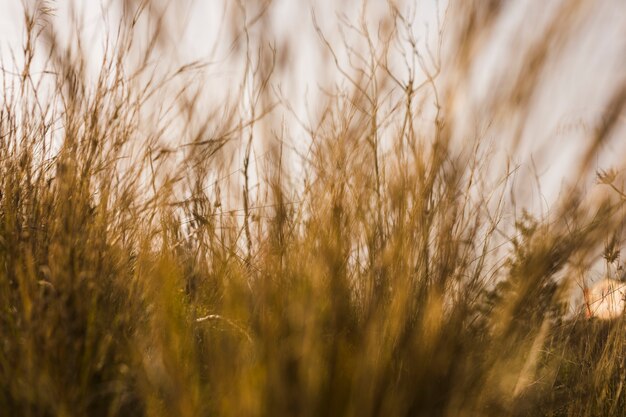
(387,270)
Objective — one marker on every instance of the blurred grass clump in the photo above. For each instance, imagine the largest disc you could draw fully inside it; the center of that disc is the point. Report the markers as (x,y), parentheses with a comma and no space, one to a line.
(165,256)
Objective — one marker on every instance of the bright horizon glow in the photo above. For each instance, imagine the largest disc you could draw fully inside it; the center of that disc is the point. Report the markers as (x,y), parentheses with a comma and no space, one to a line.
(605,299)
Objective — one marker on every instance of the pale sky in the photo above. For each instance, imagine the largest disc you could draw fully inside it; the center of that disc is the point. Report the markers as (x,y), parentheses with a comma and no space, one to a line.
(568,107)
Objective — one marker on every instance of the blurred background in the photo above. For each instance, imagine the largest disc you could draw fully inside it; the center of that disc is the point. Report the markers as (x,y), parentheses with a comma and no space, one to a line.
(311,207)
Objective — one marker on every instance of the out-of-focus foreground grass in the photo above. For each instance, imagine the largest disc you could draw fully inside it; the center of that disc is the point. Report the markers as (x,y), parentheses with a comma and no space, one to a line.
(389,275)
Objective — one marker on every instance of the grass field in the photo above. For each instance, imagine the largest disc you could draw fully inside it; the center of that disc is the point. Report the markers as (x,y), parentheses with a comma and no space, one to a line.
(170,246)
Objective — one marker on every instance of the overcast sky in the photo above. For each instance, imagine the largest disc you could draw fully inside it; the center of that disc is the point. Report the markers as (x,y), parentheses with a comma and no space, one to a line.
(567,109)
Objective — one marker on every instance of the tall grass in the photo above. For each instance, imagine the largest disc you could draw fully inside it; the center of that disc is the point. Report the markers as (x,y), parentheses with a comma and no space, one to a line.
(162,254)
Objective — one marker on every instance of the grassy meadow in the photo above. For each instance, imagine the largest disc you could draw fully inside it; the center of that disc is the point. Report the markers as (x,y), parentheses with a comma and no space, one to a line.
(172,244)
